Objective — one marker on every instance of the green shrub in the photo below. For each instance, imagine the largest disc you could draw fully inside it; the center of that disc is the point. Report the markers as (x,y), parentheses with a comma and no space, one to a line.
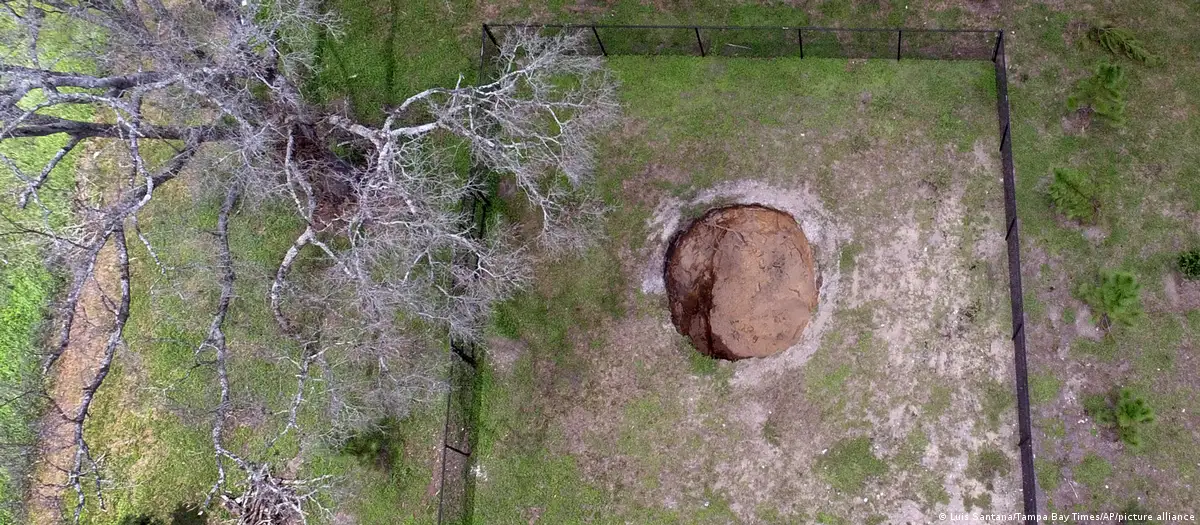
(1122,42)
(1132,414)
(1127,412)
(1103,93)
(1117,299)
(1189,264)
(1071,195)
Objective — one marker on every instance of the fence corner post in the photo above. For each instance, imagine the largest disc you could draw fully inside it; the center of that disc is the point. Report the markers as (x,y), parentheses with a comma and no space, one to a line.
(598,41)
(488,30)
(996,50)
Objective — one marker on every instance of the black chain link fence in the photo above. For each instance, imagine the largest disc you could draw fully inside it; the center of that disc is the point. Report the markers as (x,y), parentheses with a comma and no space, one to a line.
(456,504)
(1016,295)
(766,42)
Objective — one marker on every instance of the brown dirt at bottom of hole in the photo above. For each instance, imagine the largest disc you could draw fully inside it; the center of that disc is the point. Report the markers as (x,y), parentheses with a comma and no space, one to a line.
(741,282)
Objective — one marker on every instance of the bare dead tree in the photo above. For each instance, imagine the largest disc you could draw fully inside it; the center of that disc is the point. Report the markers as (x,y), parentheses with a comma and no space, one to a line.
(214,83)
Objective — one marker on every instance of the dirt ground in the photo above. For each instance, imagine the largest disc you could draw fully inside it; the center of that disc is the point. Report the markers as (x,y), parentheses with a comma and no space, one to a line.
(913,308)
(907,350)
(75,368)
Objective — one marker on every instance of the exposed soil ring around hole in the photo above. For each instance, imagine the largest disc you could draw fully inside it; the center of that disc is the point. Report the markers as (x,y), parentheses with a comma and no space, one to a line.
(741,282)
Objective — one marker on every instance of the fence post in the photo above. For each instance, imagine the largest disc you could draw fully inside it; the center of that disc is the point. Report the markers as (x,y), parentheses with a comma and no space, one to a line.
(996,51)
(482,55)
(800,38)
(899,37)
(491,37)
(698,41)
(468,359)
(598,41)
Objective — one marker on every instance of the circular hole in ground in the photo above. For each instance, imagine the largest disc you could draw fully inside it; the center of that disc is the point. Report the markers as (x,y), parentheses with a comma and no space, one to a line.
(741,282)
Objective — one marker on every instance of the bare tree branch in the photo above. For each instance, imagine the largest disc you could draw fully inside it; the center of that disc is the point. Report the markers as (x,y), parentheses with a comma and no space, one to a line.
(214,85)
(84,462)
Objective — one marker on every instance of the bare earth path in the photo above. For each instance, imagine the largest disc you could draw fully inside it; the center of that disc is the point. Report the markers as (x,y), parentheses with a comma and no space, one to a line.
(76,367)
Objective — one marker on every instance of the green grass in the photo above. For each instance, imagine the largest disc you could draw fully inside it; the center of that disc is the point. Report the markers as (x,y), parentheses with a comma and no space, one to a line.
(1093,471)
(25,291)
(705,366)
(933,492)
(816,94)
(939,400)
(1145,177)
(982,502)
(830,384)
(1043,388)
(1053,428)
(516,460)
(393,49)
(1068,315)
(395,489)
(571,294)
(27,286)
(1049,474)
(1148,166)
(849,464)
(514,451)
(156,401)
(847,257)
(702,110)
(829,518)
(521,458)
(996,402)
(988,463)
(1152,333)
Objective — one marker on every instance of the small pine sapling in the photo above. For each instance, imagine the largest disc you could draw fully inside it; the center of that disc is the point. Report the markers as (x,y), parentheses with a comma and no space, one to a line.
(1103,93)
(1120,41)
(1131,414)
(1189,264)
(1117,299)
(1070,194)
